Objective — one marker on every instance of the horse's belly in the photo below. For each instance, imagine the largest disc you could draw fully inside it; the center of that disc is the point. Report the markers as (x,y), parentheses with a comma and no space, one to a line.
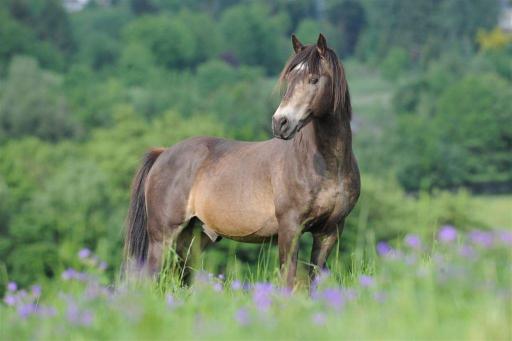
(229,221)
(236,213)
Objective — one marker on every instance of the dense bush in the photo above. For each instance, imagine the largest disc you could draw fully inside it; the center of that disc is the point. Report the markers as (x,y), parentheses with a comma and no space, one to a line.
(41,111)
(460,138)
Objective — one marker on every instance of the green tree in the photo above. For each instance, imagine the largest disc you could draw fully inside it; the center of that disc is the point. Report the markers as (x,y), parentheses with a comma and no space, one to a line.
(140,7)
(396,63)
(30,104)
(480,128)
(171,41)
(425,27)
(99,32)
(47,18)
(308,31)
(349,19)
(464,141)
(255,36)
(17,38)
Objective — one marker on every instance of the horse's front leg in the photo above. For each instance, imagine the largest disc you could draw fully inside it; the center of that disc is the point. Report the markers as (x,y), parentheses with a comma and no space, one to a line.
(288,242)
(323,243)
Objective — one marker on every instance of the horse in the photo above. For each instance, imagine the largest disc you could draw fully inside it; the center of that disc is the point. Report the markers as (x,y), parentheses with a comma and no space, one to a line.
(304,179)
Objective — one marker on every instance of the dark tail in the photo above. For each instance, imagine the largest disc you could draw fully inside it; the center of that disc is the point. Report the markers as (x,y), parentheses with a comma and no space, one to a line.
(136,235)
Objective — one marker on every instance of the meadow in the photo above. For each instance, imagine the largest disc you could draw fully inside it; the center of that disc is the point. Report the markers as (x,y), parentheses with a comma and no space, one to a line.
(452,286)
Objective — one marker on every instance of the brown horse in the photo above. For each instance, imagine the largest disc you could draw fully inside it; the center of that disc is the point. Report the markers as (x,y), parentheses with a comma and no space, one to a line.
(305,179)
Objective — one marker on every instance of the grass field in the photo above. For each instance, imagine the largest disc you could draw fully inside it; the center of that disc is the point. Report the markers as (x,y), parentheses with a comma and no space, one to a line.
(454,286)
(495,210)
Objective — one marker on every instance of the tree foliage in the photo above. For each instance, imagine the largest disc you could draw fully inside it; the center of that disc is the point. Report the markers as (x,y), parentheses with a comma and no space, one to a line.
(255,36)
(425,27)
(465,140)
(41,111)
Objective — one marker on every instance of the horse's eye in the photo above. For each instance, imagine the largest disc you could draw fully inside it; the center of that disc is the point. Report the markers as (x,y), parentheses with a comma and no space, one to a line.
(313,80)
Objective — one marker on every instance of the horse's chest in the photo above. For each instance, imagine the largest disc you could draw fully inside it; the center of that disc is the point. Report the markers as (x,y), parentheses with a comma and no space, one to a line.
(326,198)
(332,202)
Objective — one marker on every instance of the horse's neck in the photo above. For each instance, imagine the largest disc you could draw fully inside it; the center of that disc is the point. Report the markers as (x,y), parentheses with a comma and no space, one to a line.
(330,137)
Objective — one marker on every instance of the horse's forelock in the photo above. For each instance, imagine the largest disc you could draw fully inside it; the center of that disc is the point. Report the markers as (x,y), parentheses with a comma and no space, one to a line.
(308,60)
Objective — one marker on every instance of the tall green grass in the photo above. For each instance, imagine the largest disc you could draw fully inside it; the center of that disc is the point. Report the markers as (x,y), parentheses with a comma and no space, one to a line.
(446,287)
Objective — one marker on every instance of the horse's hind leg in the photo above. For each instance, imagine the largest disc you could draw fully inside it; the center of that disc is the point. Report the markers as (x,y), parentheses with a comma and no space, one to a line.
(189,245)
(155,257)
(185,250)
(159,244)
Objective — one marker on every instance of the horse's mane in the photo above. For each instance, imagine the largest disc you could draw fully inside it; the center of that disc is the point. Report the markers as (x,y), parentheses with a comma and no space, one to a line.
(311,59)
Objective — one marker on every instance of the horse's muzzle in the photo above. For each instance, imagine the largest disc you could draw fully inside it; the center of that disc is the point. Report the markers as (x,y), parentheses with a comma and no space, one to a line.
(280,127)
(283,129)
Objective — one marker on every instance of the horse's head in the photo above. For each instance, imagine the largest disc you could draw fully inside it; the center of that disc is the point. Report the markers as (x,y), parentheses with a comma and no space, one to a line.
(315,87)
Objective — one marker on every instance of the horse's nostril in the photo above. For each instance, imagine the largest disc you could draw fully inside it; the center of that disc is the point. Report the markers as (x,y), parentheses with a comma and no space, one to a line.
(284,122)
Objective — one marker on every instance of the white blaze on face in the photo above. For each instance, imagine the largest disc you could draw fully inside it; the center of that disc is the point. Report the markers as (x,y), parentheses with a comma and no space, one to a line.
(296,108)
(300,67)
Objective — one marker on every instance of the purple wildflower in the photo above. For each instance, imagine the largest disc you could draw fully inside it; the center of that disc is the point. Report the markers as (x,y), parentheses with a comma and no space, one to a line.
(505,237)
(366,281)
(413,241)
(12,286)
(447,234)
(320,279)
(481,238)
(72,313)
(84,253)
(217,287)
(285,292)
(75,316)
(103,266)
(383,248)
(319,319)
(333,298)
(10,300)
(246,286)
(86,318)
(242,317)
(236,285)
(467,251)
(170,300)
(262,296)
(221,277)
(203,277)
(68,274)
(26,309)
(36,290)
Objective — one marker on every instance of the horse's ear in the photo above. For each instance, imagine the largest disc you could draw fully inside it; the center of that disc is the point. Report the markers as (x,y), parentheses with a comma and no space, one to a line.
(297,45)
(321,44)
